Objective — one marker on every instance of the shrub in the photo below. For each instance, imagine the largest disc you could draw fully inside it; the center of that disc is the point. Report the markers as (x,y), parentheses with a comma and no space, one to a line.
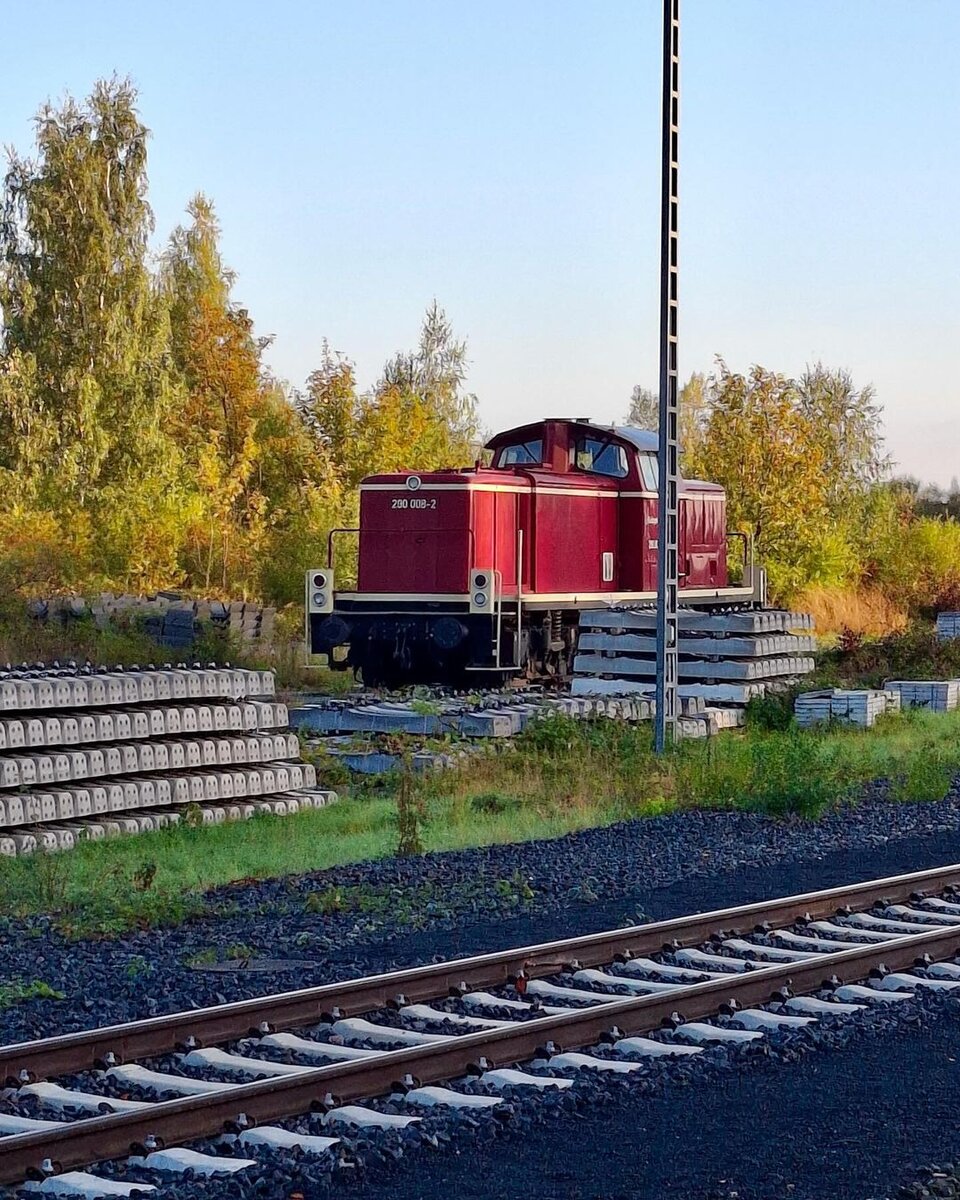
(782,773)
(771,712)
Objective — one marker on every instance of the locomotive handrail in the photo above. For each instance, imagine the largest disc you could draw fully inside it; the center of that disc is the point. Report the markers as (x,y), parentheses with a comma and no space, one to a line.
(740,536)
(497,581)
(340,529)
(517,652)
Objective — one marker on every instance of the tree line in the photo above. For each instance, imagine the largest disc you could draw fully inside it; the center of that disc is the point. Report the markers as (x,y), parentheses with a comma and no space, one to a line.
(807,476)
(144,442)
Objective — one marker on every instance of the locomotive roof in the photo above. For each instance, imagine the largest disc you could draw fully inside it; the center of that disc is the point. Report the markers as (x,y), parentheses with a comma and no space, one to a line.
(643,439)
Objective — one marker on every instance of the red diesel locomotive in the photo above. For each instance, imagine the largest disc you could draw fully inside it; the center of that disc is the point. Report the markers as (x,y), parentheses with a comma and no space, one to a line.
(475,575)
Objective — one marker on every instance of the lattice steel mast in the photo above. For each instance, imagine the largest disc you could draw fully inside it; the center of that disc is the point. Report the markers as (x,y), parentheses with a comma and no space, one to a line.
(668,452)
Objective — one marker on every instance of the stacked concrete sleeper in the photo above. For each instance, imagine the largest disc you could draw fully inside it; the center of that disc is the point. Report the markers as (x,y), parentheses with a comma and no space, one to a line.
(97,753)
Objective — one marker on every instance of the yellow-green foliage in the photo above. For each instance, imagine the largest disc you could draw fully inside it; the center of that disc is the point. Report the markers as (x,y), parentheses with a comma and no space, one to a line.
(805,474)
(926,568)
(143,443)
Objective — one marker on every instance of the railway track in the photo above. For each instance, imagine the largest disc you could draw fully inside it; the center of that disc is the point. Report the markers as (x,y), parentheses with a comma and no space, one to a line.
(526,1018)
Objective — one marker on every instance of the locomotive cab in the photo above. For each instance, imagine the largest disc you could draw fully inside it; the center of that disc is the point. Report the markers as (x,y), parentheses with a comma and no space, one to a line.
(470,576)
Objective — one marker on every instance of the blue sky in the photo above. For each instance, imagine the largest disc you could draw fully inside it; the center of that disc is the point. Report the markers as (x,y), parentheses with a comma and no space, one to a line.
(503,157)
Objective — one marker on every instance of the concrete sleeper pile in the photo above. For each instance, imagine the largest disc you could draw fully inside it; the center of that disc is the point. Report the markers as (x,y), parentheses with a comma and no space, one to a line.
(90,752)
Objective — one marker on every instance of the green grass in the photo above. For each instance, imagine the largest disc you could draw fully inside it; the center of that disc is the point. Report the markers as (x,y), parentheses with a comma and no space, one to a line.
(560,776)
(16,991)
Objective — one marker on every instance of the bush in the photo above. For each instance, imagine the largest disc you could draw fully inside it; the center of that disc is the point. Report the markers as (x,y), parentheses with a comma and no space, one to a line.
(494,804)
(924,573)
(916,653)
(782,773)
(771,712)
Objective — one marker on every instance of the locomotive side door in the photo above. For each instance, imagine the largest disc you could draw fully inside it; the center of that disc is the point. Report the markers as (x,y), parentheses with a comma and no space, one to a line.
(604,461)
(649,474)
(686,519)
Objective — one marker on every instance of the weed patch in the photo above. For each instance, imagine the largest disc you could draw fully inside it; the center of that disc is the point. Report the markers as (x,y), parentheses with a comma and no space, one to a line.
(17,991)
(237,952)
(411,813)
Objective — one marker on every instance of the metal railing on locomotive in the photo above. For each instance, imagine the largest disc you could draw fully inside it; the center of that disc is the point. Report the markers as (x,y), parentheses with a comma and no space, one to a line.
(496,601)
(752,575)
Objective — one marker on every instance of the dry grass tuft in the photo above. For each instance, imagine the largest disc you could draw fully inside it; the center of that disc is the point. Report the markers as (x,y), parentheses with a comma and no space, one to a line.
(865,611)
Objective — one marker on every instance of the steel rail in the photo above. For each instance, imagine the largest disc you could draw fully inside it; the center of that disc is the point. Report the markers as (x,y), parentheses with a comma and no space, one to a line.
(83,1142)
(114,1044)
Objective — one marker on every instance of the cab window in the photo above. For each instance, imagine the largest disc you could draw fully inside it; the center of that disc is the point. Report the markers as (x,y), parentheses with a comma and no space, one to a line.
(650,469)
(521,454)
(600,458)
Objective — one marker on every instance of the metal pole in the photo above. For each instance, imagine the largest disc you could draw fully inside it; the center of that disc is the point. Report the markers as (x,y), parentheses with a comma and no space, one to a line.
(668,450)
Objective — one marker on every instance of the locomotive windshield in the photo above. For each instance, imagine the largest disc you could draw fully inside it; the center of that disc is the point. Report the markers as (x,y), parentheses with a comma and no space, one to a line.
(600,458)
(521,454)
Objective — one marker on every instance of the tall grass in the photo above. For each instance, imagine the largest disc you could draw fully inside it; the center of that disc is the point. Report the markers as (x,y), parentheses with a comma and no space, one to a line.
(560,776)
(863,611)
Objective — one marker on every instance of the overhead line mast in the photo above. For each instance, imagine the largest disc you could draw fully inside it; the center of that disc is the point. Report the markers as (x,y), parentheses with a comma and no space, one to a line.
(668,445)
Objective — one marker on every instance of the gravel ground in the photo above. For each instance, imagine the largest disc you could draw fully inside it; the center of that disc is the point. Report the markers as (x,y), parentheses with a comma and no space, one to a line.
(445,905)
(859,1120)
(842,1110)
(851,1120)
(933,1181)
